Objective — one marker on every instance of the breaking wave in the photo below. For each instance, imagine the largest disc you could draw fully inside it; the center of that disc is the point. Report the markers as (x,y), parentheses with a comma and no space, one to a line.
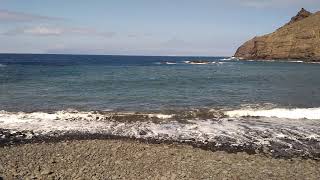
(2,65)
(295,113)
(170,63)
(212,129)
(229,59)
(166,62)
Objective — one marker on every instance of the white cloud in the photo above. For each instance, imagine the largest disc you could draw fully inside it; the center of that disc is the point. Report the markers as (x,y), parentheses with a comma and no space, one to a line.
(57,31)
(12,16)
(43,31)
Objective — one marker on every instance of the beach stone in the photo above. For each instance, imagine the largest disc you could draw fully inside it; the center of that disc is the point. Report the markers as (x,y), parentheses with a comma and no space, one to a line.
(46,172)
(142,132)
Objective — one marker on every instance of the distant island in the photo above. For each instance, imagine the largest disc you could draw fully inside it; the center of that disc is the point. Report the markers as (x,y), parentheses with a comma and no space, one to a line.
(297,40)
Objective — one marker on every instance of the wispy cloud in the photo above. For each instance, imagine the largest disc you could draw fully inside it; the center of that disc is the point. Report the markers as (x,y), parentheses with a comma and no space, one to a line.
(12,16)
(139,35)
(41,30)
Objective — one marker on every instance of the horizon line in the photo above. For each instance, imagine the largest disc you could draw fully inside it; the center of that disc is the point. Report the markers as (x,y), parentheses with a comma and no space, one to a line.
(136,55)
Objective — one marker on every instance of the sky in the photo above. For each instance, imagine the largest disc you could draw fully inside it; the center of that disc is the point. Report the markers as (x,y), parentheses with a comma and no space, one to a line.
(140,27)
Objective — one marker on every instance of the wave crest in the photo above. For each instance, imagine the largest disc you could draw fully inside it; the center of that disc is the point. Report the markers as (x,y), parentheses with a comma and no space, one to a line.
(295,113)
(278,137)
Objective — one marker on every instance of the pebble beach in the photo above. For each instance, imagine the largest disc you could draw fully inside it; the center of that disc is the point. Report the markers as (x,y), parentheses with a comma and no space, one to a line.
(129,159)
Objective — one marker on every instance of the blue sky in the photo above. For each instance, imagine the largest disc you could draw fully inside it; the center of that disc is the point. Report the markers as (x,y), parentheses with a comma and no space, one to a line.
(140,27)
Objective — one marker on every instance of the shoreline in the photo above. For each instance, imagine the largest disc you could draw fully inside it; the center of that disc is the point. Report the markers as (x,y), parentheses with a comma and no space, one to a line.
(123,159)
(279,138)
(92,137)
(307,61)
(19,139)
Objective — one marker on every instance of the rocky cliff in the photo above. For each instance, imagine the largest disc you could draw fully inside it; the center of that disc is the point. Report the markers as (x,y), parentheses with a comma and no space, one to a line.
(298,39)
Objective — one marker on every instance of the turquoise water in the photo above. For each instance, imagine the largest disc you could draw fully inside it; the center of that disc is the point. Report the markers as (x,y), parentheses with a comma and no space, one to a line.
(84,82)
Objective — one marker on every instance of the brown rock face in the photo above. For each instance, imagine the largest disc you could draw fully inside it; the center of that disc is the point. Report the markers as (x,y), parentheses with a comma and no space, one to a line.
(298,39)
(301,15)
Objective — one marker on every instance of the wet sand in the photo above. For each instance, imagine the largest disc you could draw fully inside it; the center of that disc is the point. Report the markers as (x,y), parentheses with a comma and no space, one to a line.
(129,159)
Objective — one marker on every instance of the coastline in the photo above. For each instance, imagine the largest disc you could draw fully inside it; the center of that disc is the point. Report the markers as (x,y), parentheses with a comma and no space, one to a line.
(284,60)
(288,136)
(123,159)
(276,151)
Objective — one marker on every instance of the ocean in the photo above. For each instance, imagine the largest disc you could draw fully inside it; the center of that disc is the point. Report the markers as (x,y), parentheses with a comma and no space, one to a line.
(269,106)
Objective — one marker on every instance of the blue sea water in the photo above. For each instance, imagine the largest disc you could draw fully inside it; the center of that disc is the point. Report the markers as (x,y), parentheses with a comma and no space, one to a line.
(224,105)
(31,82)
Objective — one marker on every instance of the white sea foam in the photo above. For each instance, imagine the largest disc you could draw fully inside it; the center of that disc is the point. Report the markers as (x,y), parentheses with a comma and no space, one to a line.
(229,59)
(2,65)
(170,63)
(196,62)
(296,61)
(166,62)
(64,121)
(222,62)
(160,116)
(234,131)
(86,122)
(296,113)
(282,61)
(219,63)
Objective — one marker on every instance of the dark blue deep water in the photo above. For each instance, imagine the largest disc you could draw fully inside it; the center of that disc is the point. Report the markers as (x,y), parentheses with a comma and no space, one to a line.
(140,83)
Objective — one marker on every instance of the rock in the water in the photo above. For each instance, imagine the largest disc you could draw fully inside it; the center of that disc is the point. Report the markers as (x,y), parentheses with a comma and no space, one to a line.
(298,39)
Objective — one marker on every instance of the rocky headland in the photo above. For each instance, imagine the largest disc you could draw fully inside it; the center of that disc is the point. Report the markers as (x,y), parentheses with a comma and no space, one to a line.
(297,40)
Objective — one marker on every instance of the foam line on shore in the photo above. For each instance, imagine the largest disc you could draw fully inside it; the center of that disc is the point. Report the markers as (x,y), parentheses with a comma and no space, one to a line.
(295,113)
(289,137)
